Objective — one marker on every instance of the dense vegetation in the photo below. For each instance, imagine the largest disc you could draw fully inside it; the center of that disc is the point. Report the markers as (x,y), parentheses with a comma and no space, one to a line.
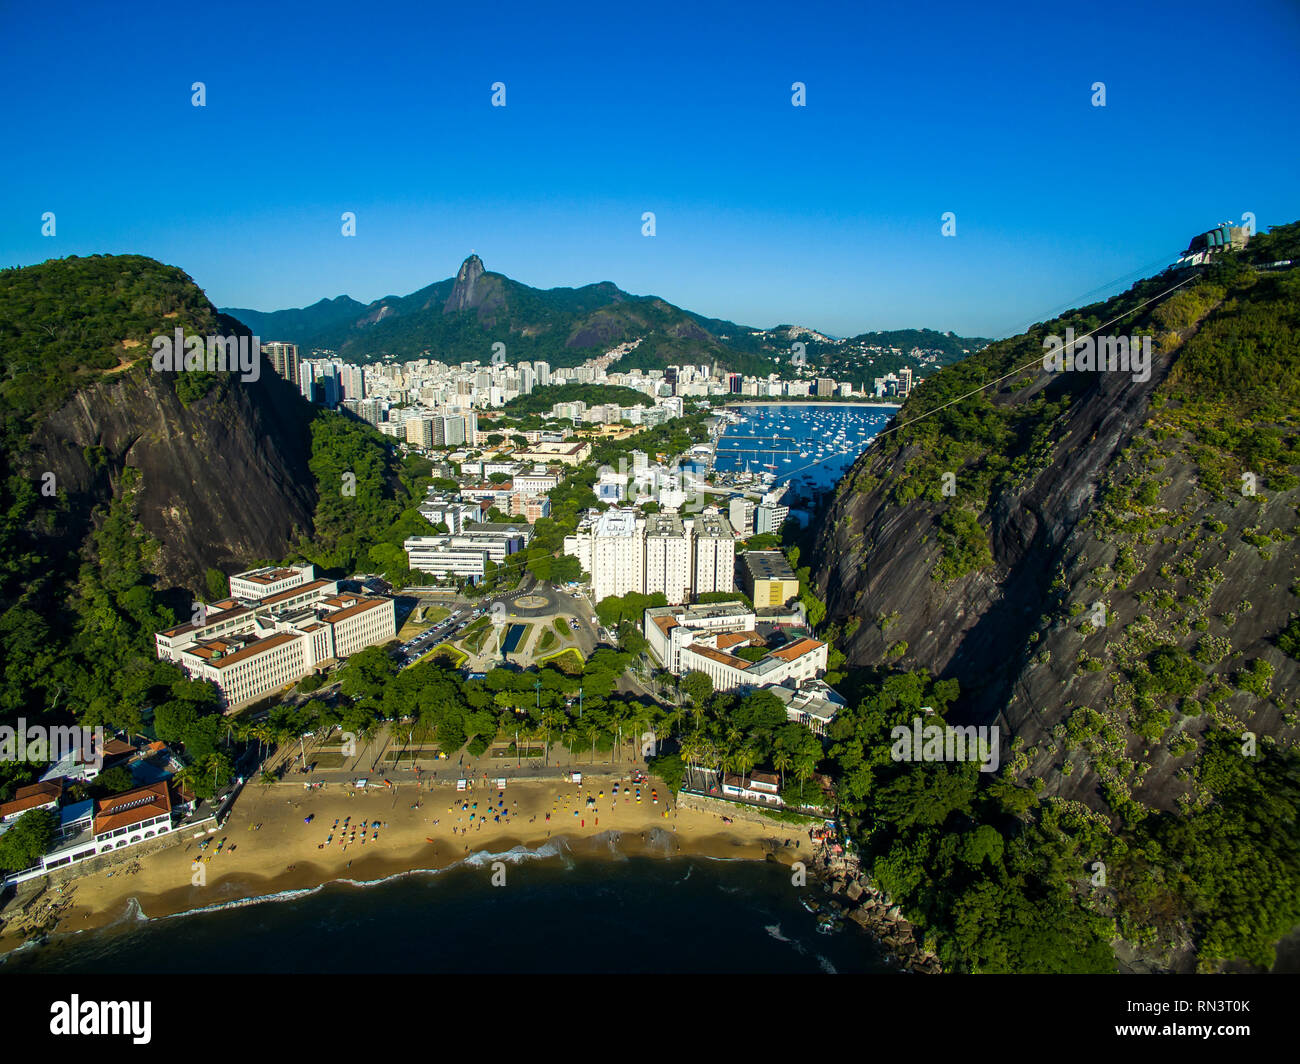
(541,400)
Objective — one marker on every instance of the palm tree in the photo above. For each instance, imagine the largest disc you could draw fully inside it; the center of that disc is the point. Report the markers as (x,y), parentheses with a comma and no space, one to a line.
(804,767)
(745,759)
(551,719)
(261,731)
(781,761)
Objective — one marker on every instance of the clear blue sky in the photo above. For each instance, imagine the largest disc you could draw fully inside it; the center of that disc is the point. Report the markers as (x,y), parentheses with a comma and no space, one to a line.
(827,215)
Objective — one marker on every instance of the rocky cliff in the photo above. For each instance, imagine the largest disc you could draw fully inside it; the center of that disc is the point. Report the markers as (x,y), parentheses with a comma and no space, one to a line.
(224,480)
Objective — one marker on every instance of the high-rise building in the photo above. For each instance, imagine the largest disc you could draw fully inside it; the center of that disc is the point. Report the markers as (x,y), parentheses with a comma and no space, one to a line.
(740,511)
(331,394)
(448,431)
(307,381)
(770,517)
(667,557)
(715,554)
(283,358)
(543,371)
(905,380)
(354,382)
(419,431)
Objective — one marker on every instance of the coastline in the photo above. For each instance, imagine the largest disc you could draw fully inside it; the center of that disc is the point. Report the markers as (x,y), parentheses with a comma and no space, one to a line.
(734,405)
(285,855)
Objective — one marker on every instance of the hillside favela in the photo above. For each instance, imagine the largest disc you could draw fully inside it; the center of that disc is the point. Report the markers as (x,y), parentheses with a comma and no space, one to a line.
(770,537)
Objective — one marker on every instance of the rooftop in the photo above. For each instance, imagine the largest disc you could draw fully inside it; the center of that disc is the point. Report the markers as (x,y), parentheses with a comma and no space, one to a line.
(768,565)
(131,807)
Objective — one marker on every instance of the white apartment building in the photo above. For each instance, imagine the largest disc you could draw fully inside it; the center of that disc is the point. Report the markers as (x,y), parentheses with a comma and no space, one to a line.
(667,557)
(715,553)
(617,554)
(740,512)
(625,550)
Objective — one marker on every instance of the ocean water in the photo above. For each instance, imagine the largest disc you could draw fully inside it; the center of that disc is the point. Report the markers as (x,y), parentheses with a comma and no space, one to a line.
(555,913)
(808,446)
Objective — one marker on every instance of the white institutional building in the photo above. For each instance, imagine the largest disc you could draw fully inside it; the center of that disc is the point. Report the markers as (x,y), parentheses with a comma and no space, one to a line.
(251,644)
(625,551)
(707,638)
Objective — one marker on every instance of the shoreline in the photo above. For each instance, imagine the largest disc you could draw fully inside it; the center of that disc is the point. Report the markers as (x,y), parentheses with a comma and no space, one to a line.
(809,402)
(284,856)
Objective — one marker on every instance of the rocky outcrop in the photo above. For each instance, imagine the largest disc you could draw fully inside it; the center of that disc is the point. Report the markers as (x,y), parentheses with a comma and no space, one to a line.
(855,898)
(224,481)
(464,291)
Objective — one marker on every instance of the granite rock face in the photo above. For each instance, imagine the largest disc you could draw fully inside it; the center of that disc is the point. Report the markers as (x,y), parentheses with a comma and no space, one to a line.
(223,481)
(1020,635)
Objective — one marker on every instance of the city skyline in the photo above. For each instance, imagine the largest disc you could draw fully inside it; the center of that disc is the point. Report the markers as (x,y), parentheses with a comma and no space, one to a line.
(827,215)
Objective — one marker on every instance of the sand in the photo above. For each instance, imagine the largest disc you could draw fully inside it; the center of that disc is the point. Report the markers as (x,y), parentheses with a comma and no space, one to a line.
(285,853)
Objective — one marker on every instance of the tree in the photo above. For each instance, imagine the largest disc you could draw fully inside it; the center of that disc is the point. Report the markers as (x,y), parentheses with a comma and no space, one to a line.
(114,780)
(781,761)
(218,585)
(697,686)
(27,839)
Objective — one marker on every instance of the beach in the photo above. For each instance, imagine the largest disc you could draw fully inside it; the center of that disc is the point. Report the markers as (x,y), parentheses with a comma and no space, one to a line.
(269,847)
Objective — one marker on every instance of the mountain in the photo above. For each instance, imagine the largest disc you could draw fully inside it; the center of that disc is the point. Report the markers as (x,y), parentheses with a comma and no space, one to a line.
(461,317)
(1107,567)
(326,314)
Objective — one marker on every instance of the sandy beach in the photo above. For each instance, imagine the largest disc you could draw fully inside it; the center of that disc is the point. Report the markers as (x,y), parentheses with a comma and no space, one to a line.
(269,848)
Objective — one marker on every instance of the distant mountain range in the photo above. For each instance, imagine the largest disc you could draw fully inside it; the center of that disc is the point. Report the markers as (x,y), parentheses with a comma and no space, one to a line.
(460,318)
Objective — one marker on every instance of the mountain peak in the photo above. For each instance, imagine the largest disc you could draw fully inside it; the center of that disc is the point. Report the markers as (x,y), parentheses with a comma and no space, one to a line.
(463,292)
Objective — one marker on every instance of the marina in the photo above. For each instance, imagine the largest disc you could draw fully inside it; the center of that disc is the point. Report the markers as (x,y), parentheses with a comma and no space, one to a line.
(804,449)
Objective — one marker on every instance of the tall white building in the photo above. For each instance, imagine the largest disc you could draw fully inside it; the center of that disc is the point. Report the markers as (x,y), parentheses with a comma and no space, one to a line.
(612,549)
(667,557)
(715,554)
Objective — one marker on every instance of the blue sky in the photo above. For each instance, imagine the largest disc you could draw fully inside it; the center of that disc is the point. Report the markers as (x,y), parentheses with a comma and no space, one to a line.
(827,215)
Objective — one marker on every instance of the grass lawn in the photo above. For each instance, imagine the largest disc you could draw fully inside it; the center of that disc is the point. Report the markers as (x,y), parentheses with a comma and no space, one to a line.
(561,627)
(573,651)
(546,641)
(455,657)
